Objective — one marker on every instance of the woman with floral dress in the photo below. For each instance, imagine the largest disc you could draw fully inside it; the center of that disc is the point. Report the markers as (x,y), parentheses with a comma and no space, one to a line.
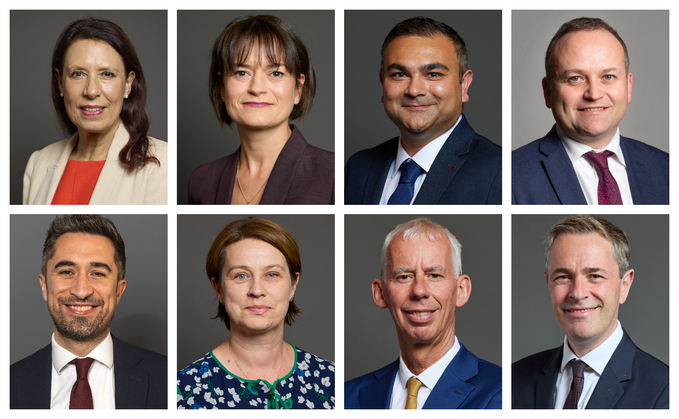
(254,266)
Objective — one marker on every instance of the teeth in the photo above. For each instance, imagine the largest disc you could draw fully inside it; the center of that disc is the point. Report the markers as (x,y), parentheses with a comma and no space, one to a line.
(594,109)
(81,308)
(420,313)
(581,310)
(93,109)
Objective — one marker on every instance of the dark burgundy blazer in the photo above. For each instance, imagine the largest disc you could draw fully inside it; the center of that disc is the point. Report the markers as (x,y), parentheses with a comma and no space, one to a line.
(303,174)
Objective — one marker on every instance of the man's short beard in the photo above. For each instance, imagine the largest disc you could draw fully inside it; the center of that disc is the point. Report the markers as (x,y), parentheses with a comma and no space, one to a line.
(81,329)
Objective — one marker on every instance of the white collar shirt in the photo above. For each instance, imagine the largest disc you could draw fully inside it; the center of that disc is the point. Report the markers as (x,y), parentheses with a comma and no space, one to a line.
(424,158)
(596,361)
(100,377)
(429,378)
(587,175)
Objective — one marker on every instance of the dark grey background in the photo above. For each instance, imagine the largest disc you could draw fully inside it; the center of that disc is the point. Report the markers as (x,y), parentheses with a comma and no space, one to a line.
(365,122)
(200,138)
(33,34)
(370,337)
(197,302)
(645,314)
(646,34)
(141,315)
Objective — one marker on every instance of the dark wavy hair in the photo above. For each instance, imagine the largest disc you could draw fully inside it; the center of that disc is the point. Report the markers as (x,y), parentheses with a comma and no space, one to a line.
(136,153)
(275,38)
(259,229)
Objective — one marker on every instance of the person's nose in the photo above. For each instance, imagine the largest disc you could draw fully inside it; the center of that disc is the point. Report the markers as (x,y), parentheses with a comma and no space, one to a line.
(257,83)
(81,287)
(593,91)
(92,88)
(579,290)
(417,86)
(256,287)
(420,287)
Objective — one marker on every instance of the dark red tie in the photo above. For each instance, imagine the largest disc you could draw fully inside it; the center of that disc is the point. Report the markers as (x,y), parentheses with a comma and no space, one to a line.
(608,192)
(81,393)
(578,383)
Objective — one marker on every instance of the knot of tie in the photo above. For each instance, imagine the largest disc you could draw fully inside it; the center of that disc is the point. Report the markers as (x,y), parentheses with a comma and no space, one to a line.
(608,192)
(413,388)
(81,393)
(406,184)
(577,385)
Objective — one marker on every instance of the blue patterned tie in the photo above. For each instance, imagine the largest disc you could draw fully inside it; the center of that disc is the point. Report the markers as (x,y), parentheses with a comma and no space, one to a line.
(406,184)
(577,385)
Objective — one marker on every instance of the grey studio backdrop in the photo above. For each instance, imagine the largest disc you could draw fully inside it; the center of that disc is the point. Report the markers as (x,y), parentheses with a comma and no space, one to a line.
(141,315)
(370,336)
(365,122)
(646,34)
(645,314)
(198,333)
(200,137)
(33,33)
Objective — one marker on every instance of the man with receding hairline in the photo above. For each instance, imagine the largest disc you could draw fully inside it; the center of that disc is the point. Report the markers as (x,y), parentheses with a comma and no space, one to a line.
(422,285)
(584,159)
(598,366)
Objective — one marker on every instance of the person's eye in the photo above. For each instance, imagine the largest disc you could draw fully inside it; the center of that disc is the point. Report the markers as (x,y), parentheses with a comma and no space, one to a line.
(240,73)
(77,74)
(398,75)
(108,74)
(434,75)
(609,77)
(277,74)
(273,274)
(574,79)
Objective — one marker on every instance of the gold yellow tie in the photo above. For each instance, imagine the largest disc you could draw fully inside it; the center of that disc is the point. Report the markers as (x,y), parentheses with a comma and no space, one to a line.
(413,387)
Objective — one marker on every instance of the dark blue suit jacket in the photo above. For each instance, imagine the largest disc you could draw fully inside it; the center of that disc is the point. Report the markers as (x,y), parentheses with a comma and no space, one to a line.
(467,383)
(140,379)
(467,170)
(542,173)
(632,379)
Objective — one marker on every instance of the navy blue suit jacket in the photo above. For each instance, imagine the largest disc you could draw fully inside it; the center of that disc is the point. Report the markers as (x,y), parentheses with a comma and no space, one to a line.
(542,173)
(467,170)
(140,379)
(467,383)
(632,379)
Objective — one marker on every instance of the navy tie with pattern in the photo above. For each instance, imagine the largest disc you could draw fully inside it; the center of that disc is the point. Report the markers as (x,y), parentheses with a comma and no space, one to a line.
(406,184)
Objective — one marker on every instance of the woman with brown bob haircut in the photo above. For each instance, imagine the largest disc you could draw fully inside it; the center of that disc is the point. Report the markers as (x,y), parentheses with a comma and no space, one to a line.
(99,94)
(261,77)
(254,266)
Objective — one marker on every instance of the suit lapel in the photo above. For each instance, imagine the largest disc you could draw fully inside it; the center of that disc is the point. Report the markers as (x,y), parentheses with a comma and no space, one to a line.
(635,168)
(378,394)
(544,387)
(447,164)
(282,174)
(377,174)
(226,179)
(131,383)
(560,170)
(609,389)
(452,389)
(36,385)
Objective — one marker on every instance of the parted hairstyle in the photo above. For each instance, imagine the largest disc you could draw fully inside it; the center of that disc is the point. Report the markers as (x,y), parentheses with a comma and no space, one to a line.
(259,229)
(275,38)
(136,152)
(574,25)
(427,27)
(584,224)
(429,229)
(95,225)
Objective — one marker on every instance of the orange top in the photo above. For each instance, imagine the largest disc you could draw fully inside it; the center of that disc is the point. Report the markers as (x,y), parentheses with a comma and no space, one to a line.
(78,182)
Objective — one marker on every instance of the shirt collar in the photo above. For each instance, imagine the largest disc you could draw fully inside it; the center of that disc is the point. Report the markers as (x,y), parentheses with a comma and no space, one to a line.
(425,157)
(103,353)
(598,357)
(576,149)
(431,375)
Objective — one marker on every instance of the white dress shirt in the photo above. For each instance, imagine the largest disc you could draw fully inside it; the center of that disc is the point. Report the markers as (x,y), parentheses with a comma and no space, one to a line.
(424,158)
(100,377)
(429,378)
(587,175)
(596,361)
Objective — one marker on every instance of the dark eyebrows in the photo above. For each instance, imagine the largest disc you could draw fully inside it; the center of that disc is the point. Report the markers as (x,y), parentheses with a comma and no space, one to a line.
(397,67)
(433,66)
(69,263)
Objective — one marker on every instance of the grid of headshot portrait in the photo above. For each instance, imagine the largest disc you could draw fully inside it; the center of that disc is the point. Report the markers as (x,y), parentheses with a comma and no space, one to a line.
(329,292)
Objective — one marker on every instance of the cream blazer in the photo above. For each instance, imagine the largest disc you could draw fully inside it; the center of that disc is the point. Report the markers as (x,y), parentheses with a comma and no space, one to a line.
(116,185)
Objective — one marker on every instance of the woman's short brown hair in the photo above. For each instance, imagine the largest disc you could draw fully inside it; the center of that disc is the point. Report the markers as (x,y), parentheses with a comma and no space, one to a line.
(281,44)
(259,229)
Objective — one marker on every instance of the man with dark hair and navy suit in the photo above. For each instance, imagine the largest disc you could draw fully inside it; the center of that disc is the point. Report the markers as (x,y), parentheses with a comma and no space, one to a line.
(422,284)
(597,366)
(438,158)
(85,367)
(584,159)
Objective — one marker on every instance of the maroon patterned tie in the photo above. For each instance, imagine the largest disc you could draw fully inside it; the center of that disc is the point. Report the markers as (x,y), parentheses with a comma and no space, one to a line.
(81,393)
(578,383)
(608,192)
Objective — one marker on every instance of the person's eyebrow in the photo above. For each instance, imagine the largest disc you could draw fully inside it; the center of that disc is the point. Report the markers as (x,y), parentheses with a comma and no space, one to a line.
(100,265)
(433,66)
(398,67)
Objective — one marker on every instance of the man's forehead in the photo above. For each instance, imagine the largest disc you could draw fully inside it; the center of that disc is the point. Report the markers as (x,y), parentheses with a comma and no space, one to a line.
(579,39)
(82,242)
(417,44)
